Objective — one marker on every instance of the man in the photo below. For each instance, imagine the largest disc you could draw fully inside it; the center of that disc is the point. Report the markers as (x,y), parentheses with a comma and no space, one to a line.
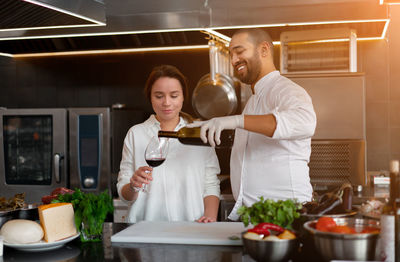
(272,144)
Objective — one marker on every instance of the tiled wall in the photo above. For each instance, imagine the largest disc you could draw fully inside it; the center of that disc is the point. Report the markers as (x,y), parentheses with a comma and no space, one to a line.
(104,80)
(380,60)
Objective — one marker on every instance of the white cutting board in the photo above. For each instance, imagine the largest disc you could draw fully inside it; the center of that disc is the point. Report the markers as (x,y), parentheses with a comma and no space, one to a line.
(191,233)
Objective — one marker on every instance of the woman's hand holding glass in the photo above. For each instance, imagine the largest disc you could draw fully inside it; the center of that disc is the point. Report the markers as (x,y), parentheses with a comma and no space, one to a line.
(155,154)
(141,176)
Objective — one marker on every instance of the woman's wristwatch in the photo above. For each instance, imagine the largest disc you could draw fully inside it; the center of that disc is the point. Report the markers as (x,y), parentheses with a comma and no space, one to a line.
(134,189)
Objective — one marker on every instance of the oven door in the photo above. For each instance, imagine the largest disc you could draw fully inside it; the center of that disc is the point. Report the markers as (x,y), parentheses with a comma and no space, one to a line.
(89,149)
(33,144)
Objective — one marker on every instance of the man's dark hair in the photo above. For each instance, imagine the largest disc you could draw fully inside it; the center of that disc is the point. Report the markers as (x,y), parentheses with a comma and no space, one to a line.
(257,36)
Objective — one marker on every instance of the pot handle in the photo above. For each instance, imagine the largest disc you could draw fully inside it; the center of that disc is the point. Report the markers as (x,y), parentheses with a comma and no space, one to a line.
(213,58)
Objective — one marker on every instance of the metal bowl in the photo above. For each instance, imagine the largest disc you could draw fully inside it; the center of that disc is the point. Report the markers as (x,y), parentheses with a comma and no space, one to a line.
(335,246)
(269,250)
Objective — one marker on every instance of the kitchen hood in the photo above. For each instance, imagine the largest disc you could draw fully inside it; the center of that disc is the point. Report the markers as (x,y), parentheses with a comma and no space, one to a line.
(158,23)
(40,14)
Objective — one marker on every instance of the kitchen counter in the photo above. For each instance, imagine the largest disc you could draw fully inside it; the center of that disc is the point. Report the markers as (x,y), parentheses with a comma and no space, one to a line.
(107,251)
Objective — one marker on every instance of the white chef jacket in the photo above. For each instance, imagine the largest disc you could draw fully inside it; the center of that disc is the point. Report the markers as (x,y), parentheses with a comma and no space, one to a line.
(179,185)
(277,167)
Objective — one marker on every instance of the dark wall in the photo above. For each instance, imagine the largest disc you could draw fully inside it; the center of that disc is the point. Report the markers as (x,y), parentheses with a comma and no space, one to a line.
(92,80)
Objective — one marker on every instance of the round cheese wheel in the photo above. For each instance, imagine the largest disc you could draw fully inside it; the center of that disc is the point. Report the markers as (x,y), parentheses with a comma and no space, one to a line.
(21,231)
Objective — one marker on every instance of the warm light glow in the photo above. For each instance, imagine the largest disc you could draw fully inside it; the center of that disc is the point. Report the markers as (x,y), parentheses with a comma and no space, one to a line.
(339,22)
(187,29)
(303,23)
(381,2)
(246,26)
(385,29)
(133,50)
(5,54)
(64,11)
(113,51)
(222,37)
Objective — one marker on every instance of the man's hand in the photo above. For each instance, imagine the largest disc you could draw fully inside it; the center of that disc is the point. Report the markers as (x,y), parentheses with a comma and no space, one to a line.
(215,125)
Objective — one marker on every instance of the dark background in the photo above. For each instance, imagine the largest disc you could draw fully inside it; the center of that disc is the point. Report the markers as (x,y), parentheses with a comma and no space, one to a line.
(97,81)
(91,80)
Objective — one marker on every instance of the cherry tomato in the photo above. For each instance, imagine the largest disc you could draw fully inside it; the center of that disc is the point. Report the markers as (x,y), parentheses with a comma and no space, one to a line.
(325,224)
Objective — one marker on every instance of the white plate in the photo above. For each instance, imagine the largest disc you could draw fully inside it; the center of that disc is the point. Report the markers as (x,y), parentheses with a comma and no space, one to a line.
(42,245)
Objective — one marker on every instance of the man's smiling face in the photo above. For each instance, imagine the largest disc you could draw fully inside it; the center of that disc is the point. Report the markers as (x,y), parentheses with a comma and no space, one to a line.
(245,58)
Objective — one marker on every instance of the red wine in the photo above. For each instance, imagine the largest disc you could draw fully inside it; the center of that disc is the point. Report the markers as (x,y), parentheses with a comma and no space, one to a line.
(155,161)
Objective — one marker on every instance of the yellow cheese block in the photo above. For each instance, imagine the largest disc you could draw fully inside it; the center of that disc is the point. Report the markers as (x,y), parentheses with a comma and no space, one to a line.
(57,221)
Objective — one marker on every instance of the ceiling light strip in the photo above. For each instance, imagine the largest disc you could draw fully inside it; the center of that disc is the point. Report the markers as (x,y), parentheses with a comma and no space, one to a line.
(245,26)
(226,39)
(6,54)
(152,49)
(101,34)
(301,23)
(340,22)
(46,27)
(186,29)
(65,11)
(385,29)
(113,51)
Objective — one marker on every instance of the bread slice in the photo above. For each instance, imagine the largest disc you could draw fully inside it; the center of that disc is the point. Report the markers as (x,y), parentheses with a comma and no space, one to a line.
(57,221)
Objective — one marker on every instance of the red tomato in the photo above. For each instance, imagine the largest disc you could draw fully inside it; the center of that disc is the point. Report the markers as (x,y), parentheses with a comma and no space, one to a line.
(325,224)
(370,230)
(343,230)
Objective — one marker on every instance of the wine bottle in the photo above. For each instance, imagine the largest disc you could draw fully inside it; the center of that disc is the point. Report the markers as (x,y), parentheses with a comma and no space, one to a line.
(388,217)
(191,136)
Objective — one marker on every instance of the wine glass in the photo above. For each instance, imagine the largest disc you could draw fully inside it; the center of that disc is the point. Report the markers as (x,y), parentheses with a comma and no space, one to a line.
(155,154)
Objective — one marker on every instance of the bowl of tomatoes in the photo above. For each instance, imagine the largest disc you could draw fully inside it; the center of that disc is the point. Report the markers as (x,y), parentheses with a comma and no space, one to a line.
(344,238)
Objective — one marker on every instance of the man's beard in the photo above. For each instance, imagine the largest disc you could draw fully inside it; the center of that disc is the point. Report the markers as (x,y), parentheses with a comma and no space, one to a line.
(253,67)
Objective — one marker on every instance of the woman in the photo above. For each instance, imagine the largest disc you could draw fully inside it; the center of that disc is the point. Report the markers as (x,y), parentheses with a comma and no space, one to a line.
(185,187)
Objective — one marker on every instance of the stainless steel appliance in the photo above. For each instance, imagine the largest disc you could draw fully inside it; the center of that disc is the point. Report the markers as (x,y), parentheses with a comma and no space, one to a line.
(89,148)
(42,149)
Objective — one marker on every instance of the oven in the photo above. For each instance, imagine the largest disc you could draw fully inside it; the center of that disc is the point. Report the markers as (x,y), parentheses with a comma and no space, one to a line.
(42,149)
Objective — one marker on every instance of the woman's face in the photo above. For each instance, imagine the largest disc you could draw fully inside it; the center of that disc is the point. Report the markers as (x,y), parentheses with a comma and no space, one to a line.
(167,98)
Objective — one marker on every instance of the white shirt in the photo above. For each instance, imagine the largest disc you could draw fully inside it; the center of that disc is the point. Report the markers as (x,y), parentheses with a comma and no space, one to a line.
(179,185)
(277,167)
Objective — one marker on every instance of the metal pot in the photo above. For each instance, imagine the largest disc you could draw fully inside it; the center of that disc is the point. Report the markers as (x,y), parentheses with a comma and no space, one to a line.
(336,246)
(215,93)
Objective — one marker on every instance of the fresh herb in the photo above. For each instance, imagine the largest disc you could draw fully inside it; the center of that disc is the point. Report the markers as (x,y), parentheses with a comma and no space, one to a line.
(281,212)
(90,212)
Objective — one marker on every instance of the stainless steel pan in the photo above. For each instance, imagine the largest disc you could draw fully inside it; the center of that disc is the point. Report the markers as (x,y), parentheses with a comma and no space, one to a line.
(215,93)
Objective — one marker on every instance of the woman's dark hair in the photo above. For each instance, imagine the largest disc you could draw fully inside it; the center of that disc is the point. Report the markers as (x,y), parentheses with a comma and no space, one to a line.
(172,72)
(165,71)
